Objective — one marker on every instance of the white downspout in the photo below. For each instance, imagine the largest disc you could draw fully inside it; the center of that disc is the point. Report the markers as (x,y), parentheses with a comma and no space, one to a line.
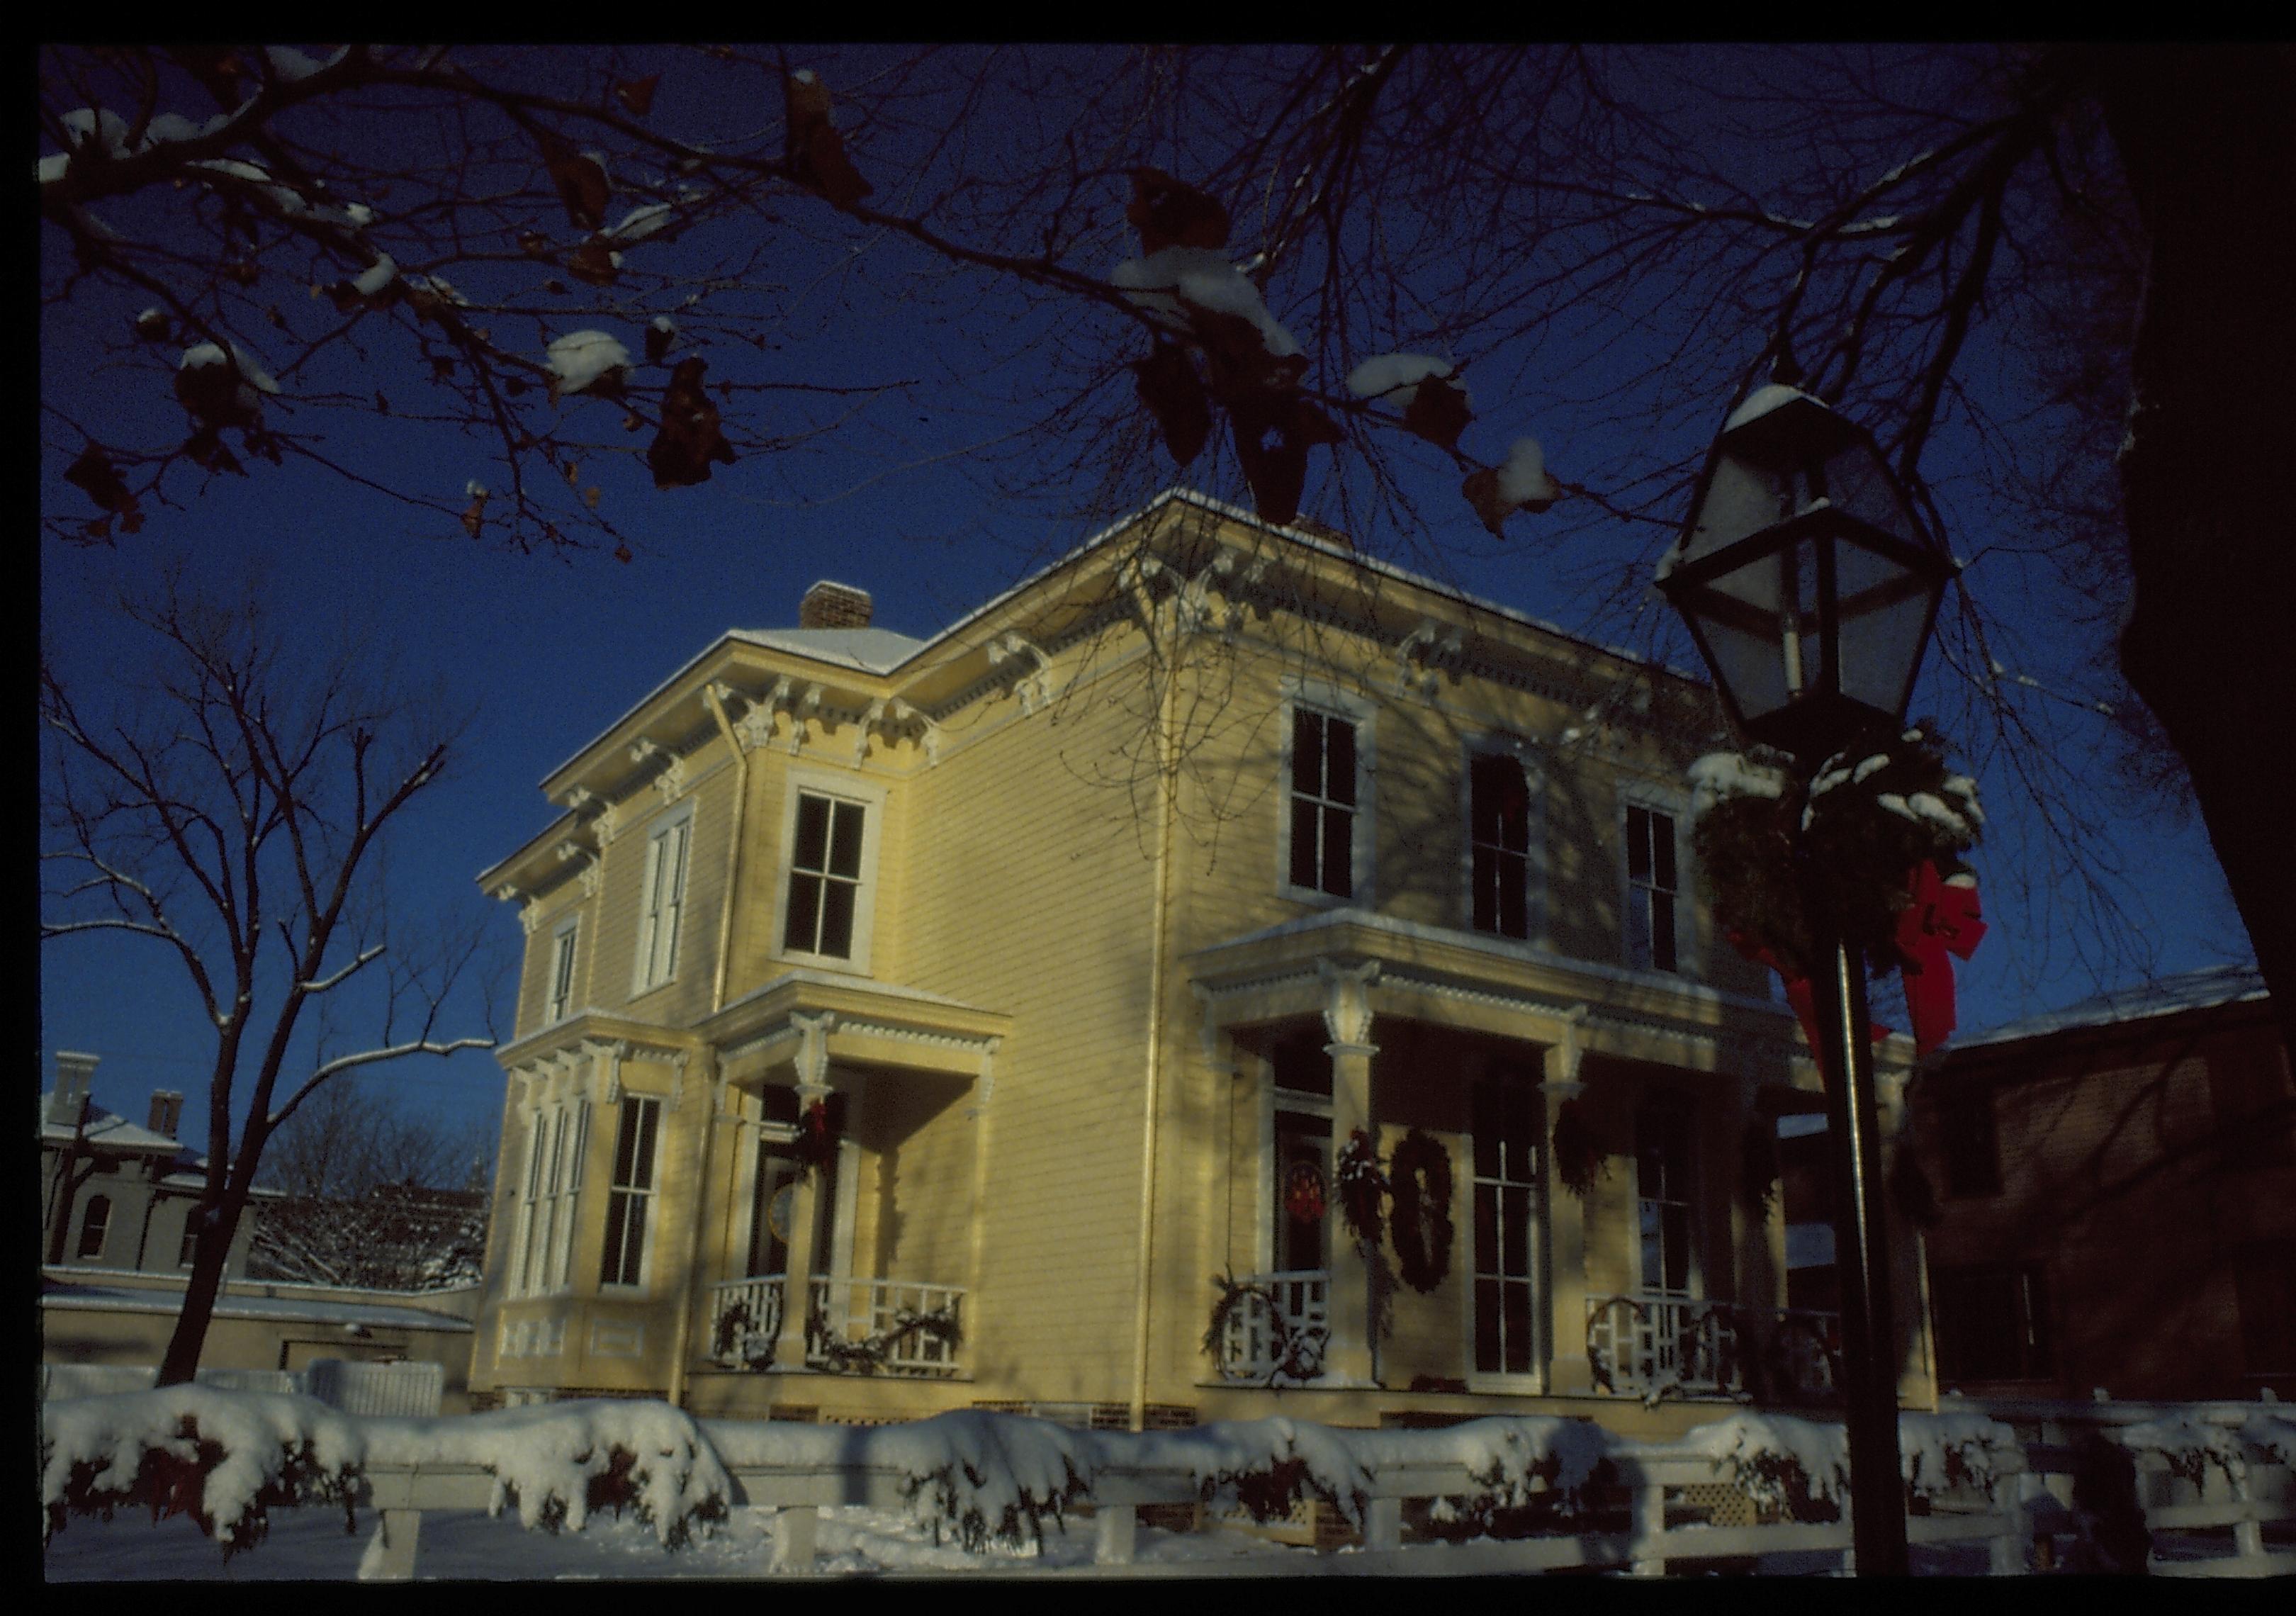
(1167,789)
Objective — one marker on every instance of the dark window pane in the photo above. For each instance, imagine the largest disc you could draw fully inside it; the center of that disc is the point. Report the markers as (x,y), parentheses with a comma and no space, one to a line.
(804,927)
(844,843)
(1662,954)
(633,1253)
(1483,799)
(812,845)
(1484,881)
(1677,1246)
(1518,1329)
(1486,1326)
(1638,861)
(1308,753)
(1339,760)
(1306,858)
(1338,851)
(1514,916)
(1487,1228)
(625,1144)
(609,1271)
(1516,1242)
(649,1111)
(1661,831)
(1487,1130)
(837,919)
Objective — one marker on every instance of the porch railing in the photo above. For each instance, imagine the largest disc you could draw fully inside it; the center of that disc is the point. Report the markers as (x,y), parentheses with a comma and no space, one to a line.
(1658,1346)
(898,1326)
(745,1321)
(1277,1327)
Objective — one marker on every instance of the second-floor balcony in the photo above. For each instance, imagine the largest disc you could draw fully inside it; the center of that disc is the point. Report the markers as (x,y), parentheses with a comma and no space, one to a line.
(1661,1346)
(852,1326)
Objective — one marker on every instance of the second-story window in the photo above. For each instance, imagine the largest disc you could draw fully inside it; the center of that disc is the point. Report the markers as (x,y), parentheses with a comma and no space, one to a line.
(1498,835)
(662,902)
(631,1198)
(1650,890)
(94,1225)
(562,976)
(1323,802)
(824,876)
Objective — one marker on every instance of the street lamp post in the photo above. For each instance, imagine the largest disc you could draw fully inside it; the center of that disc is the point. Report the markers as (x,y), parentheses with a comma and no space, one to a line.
(1811,589)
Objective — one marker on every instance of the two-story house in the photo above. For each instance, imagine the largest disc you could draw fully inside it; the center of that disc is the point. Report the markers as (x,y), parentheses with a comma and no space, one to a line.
(910,1024)
(2117,1196)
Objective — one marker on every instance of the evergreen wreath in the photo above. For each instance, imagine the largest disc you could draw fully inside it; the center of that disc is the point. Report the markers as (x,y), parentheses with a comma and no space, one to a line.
(1419,1214)
(1361,1185)
(1874,810)
(1303,1192)
(1579,1158)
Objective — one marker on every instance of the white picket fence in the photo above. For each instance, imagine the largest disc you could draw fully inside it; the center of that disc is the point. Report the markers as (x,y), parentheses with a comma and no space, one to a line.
(403,1391)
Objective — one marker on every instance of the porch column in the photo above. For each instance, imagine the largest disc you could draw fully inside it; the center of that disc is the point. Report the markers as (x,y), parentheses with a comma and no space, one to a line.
(1567,1372)
(1352,1356)
(806,1210)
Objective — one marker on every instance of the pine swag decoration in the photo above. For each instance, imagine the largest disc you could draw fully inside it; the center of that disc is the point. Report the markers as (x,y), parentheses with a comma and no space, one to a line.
(1293,1354)
(1757,1165)
(1361,1185)
(1578,1157)
(817,1139)
(1887,822)
(870,1353)
(1419,1216)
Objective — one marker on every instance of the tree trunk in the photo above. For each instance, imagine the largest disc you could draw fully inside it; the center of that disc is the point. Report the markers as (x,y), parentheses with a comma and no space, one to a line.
(209,1257)
(2208,472)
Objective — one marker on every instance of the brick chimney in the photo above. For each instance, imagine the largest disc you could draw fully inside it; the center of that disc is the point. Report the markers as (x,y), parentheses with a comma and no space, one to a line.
(74,1071)
(831,605)
(167,1112)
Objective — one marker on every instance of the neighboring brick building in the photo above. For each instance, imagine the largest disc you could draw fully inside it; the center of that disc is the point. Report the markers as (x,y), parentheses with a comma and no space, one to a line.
(2118,1189)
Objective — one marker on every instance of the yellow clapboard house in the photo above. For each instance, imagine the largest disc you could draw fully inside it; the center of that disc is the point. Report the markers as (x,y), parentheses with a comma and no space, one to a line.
(985,1021)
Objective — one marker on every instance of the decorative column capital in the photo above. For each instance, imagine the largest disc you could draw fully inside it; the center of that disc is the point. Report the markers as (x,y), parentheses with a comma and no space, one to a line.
(813,1030)
(1347,1003)
(1562,1080)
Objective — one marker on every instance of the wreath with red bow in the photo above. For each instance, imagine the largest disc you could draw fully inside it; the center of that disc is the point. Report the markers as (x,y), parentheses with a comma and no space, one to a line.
(1303,1192)
(1888,822)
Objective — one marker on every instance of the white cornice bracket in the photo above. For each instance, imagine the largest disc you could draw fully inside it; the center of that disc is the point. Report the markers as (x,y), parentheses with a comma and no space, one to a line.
(1034,689)
(1415,657)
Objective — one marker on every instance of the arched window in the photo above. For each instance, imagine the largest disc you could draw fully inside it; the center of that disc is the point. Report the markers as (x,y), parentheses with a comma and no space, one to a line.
(92,1223)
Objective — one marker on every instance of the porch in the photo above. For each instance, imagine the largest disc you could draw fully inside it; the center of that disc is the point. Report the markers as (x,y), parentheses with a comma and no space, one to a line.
(851,1325)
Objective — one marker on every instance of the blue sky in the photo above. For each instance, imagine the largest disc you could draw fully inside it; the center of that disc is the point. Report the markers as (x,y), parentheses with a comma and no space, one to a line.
(548,650)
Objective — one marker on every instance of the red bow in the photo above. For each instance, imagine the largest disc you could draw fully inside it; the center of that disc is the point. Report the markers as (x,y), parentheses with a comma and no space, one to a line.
(1942,919)
(1798,992)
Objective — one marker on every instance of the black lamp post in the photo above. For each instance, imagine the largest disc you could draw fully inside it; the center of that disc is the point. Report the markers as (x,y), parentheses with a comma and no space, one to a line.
(1811,589)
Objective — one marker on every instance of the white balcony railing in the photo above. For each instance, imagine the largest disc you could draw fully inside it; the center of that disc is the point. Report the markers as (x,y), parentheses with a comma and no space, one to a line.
(745,1321)
(1659,1346)
(1277,1327)
(898,1326)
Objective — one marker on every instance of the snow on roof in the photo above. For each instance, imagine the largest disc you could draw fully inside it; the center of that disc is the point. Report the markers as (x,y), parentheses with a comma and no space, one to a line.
(104,1128)
(869,650)
(2193,990)
(1762,400)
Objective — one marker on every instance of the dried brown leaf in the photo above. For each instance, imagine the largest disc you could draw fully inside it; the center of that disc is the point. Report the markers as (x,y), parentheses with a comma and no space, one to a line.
(1169,387)
(1438,412)
(637,95)
(1172,213)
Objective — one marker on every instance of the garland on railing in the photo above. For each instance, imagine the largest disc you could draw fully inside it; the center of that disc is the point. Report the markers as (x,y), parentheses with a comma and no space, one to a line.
(869,1354)
(736,1340)
(1419,1214)
(1579,1158)
(1295,1354)
(1361,1185)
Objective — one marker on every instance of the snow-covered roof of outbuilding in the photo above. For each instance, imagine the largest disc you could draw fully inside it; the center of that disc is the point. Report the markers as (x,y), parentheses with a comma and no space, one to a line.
(278,1309)
(108,1130)
(2193,990)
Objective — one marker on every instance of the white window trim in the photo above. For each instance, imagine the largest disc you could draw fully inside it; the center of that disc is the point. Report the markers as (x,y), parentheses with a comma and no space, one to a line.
(647,943)
(872,798)
(1332,701)
(652,1195)
(1658,799)
(755,1137)
(567,933)
(1539,934)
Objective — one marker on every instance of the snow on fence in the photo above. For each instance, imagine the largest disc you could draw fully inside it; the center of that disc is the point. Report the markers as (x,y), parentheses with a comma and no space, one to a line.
(1603,1501)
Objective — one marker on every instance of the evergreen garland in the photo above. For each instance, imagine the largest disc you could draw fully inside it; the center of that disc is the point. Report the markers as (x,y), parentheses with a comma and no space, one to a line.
(1870,814)
(1579,1155)
(1361,1185)
(1419,1216)
(869,1354)
(1296,1355)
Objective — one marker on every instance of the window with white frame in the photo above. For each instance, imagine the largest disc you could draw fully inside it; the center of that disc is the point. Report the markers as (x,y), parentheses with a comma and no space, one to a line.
(188,1246)
(547,1223)
(826,875)
(560,999)
(524,1279)
(1663,1197)
(662,901)
(630,1202)
(1652,886)
(1506,1138)
(1498,845)
(1323,802)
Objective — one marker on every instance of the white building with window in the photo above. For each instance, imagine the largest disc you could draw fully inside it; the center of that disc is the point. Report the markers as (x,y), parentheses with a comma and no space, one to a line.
(991,1019)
